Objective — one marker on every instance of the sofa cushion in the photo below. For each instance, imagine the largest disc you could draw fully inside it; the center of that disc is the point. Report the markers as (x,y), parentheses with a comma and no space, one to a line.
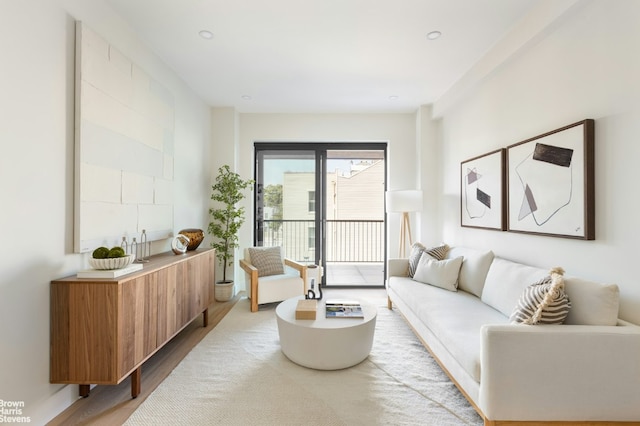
(268,260)
(473,271)
(543,302)
(439,273)
(437,252)
(506,281)
(592,303)
(455,318)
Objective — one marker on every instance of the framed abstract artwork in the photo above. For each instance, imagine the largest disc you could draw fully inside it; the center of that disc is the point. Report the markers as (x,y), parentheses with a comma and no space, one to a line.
(550,183)
(482,192)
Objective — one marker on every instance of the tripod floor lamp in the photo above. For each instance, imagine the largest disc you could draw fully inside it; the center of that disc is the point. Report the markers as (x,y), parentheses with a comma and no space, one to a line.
(404,202)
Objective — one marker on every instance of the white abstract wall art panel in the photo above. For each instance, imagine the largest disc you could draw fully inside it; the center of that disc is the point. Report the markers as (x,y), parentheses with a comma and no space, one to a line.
(123,148)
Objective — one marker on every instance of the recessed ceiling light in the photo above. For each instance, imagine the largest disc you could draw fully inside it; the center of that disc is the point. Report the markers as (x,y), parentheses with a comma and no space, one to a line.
(246,97)
(206,34)
(434,35)
(393,97)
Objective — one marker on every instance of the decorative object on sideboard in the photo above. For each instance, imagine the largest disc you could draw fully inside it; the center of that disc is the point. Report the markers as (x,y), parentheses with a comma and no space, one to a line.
(108,259)
(125,245)
(195,237)
(179,244)
(111,263)
(134,247)
(145,248)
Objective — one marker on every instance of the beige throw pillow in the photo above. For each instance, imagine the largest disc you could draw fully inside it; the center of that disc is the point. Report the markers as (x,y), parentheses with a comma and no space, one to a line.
(438,273)
(592,303)
(268,260)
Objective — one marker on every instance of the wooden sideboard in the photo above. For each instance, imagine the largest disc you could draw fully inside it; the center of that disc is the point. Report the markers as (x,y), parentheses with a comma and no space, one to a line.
(103,330)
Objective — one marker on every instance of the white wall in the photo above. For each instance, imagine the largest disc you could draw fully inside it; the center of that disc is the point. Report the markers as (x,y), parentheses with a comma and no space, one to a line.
(427,177)
(36,170)
(585,65)
(399,130)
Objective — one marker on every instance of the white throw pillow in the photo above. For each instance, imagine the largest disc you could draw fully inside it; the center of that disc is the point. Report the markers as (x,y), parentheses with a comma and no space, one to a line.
(474,268)
(506,280)
(592,303)
(439,273)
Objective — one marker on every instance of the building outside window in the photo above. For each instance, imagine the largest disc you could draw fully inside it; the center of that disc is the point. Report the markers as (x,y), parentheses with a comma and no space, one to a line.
(312,201)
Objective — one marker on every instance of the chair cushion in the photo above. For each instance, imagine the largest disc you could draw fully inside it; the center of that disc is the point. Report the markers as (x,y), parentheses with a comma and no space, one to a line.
(275,288)
(267,260)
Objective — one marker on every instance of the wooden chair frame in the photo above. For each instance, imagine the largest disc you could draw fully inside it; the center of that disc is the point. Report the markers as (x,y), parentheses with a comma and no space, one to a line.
(253,274)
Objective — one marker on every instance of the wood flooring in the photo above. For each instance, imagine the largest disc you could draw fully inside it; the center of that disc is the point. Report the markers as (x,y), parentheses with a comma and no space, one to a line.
(112,405)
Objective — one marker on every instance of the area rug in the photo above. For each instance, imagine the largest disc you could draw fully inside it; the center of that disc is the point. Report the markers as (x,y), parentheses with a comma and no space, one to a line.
(237,375)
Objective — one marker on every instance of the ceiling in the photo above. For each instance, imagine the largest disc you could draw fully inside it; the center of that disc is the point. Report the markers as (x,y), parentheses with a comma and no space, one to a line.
(321,56)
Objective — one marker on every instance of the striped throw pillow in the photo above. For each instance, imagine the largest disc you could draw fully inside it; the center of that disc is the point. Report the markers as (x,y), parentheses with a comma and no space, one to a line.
(438,253)
(268,260)
(543,302)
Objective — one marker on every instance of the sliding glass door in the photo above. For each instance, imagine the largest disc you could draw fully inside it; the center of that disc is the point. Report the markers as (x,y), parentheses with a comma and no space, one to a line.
(324,204)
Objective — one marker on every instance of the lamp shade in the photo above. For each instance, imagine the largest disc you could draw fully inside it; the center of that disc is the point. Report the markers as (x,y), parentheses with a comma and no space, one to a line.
(409,200)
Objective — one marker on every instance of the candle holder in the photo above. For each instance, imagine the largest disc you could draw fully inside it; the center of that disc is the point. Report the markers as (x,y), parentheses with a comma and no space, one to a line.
(311,293)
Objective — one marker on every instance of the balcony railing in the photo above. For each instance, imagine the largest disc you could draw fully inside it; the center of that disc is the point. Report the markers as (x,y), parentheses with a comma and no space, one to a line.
(360,241)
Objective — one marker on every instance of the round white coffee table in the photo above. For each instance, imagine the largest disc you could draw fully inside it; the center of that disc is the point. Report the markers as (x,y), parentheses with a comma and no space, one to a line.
(325,343)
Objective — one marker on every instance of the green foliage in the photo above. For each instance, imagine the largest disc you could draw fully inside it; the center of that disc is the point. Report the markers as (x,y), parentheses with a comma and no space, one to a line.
(100,253)
(226,216)
(116,252)
(104,253)
(273,199)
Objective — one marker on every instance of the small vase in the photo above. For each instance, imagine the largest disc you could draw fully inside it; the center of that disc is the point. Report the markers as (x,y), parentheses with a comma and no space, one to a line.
(195,237)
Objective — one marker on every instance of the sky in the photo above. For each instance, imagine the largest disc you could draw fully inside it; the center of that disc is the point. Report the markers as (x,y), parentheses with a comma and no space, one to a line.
(275,169)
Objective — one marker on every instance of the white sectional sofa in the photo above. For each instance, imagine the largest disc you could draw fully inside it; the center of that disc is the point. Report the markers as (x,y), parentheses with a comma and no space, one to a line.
(587,369)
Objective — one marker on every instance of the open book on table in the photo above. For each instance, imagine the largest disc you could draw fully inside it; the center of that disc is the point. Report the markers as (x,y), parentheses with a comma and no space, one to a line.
(343,309)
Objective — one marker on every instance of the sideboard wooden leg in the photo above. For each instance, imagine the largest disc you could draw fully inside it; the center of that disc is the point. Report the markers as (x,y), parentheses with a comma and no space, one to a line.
(205,317)
(136,379)
(84,390)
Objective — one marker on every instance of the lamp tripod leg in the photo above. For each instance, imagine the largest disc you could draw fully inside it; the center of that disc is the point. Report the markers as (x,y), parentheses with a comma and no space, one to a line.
(409,229)
(405,228)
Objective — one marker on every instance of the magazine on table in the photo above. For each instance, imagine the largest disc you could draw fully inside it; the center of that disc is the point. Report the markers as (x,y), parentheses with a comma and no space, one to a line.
(343,309)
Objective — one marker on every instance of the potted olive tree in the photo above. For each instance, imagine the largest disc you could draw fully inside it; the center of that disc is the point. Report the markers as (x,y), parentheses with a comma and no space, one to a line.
(226,219)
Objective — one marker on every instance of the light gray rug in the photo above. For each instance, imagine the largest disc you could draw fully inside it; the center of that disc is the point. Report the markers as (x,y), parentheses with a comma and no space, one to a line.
(237,375)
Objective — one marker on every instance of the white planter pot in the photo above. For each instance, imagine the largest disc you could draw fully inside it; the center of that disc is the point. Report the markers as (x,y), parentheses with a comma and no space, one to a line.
(224,291)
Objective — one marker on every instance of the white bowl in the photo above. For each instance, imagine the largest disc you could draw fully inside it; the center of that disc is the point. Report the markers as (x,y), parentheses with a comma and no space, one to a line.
(111,263)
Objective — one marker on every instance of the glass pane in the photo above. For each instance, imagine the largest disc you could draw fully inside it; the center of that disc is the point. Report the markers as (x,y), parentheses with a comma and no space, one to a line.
(335,219)
(288,211)
(355,218)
